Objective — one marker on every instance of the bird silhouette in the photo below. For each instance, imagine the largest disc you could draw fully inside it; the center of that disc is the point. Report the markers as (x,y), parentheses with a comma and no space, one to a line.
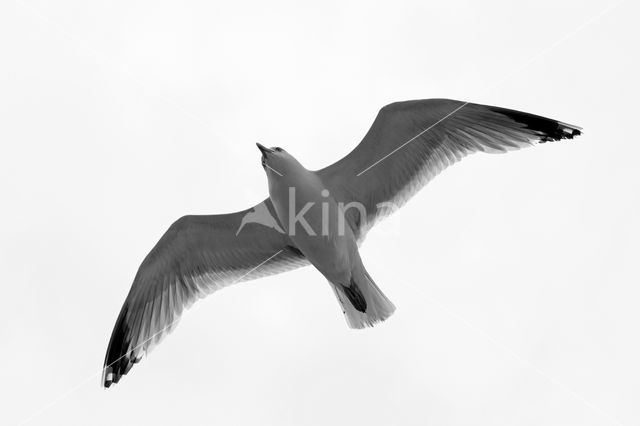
(314,217)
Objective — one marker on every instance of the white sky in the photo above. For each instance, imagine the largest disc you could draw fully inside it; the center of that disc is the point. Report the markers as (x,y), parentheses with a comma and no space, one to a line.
(515,276)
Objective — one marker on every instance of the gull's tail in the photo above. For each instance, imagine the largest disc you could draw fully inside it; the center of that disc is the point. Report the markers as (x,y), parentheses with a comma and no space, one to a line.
(363,304)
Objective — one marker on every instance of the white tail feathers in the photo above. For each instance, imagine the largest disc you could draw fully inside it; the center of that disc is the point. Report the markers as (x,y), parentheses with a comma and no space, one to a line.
(362,302)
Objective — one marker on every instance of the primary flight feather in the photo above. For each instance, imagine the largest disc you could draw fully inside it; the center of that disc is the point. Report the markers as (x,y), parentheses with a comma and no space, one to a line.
(314,217)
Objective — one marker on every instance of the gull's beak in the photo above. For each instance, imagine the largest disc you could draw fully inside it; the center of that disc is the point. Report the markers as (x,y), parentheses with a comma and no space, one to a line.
(264,149)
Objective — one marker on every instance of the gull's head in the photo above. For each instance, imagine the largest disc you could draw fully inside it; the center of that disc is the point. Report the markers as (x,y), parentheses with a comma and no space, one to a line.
(277,162)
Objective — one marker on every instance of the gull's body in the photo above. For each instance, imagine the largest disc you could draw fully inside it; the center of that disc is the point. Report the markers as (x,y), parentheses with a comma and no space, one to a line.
(324,237)
(408,144)
(328,253)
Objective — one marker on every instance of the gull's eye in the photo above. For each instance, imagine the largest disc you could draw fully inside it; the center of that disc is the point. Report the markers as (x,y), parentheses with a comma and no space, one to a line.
(278,149)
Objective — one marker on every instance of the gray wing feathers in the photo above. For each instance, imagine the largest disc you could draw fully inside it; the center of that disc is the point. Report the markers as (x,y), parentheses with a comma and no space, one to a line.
(196,256)
(411,142)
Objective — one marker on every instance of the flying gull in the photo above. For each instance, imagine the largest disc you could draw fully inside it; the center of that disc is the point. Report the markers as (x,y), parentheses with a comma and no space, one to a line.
(314,217)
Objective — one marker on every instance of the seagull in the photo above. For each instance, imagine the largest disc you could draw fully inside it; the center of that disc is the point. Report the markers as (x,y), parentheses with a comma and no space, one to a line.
(314,217)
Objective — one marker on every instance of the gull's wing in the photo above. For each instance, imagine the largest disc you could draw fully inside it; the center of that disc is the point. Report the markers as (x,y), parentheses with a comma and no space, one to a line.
(196,256)
(411,142)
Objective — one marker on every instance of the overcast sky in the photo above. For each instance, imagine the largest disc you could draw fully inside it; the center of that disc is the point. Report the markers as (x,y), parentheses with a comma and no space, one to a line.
(515,276)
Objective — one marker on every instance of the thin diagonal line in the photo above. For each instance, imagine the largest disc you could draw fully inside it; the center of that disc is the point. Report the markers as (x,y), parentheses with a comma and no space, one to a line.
(269,167)
(561,40)
(176,321)
(507,76)
(416,136)
(516,356)
(81,384)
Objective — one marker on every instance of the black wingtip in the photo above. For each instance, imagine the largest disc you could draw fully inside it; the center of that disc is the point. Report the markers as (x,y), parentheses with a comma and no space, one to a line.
(549,130)
(107,378)
(561,131)
(117,360)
